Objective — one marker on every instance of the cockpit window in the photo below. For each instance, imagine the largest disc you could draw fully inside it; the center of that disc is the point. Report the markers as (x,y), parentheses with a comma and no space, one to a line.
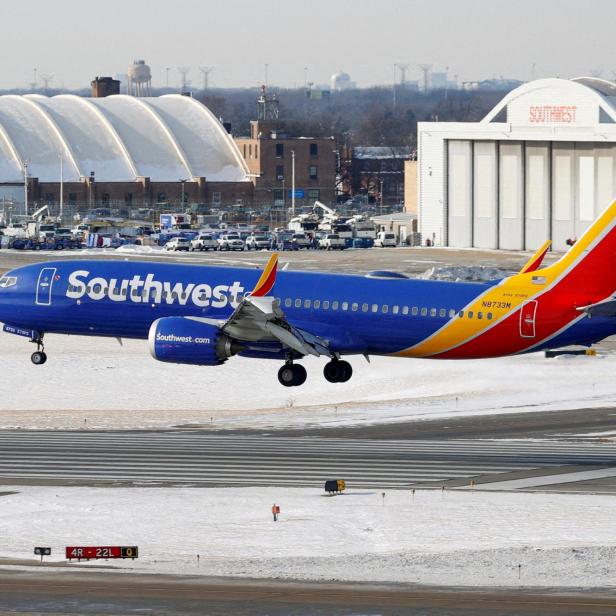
(8,281)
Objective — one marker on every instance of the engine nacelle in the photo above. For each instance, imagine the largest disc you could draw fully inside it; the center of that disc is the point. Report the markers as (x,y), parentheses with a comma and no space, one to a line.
(182,340)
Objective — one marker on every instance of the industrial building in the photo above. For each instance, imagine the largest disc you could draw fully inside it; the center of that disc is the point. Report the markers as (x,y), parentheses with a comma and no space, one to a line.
(540,165)
(120,152)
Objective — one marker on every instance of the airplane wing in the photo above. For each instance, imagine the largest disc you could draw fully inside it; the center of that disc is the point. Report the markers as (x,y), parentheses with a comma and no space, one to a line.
(259,318)
(535,261)
(604,308)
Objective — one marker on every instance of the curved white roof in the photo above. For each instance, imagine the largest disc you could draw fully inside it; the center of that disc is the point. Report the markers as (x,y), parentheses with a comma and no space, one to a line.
(120,138)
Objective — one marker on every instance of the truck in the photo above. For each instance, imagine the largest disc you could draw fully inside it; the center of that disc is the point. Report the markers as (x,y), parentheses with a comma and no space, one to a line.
(332,241)
(204,241)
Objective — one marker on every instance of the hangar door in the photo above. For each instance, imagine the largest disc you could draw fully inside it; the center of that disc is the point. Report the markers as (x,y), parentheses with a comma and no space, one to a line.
(537,192)
(563,194)
(511,196)
(460,193)
(485,194)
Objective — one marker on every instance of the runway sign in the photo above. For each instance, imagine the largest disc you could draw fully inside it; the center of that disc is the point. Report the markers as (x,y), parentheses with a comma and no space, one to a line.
(93,552)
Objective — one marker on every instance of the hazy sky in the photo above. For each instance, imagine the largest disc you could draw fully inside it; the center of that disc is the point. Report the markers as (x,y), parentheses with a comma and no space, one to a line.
(74,40)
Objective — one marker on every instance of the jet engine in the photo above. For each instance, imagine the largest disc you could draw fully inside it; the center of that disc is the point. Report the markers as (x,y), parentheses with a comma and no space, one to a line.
(185,340)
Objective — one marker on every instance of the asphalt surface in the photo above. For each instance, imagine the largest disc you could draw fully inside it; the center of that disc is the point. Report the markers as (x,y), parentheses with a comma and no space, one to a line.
(411,261)
(42,592)
(208,459)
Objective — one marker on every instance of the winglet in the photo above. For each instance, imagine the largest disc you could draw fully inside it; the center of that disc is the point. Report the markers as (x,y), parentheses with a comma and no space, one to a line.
(535,261)
(266,283)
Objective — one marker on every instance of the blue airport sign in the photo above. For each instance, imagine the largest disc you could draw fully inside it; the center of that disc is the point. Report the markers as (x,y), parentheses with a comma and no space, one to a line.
(166,221)
(299,193)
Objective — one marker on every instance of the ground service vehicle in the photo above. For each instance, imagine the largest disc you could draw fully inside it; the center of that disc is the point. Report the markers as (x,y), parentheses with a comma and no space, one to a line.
(204,241)
(385,239)
(203,315)
(301,240)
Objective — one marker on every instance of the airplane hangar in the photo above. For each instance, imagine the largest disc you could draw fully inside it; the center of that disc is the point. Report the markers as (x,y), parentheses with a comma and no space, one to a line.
(540,165)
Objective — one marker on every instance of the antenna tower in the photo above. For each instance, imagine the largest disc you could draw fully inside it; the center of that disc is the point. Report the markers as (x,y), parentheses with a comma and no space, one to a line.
(183,70)
(46,79)
(205,71)
(425,69)
(403,68)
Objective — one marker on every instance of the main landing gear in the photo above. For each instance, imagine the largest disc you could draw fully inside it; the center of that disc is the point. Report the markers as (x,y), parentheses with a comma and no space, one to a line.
(292,375)
(39,357)
(335,371)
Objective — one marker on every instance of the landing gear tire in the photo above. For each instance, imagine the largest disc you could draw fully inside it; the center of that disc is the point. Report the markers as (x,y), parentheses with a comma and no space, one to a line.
(292,375)
(337,371)
(38,358)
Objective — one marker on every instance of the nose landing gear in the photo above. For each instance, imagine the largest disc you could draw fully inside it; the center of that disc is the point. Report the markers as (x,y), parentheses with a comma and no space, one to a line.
(292,375)
(39,357)
(338,371)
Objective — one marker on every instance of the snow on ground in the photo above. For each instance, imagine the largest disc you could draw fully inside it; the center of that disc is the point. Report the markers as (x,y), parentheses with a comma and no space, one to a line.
(459,538)
(96,383)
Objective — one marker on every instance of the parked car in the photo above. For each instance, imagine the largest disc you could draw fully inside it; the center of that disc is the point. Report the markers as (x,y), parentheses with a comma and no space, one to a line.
(332,241)
(385,239)
(258,242)
(204,241)
(177,243)
(230,242)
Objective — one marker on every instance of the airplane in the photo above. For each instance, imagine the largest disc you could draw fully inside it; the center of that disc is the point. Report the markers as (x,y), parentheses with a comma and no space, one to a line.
(203,315)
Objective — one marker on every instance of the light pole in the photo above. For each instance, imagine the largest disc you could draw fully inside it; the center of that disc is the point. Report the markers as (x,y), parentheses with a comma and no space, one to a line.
(26,187)
(394,85)
(183,181)
(61,185)
(293,182)
(381,182)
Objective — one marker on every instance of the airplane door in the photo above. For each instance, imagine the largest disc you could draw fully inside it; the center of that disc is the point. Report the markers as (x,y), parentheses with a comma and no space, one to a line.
(528,313)
(43,286)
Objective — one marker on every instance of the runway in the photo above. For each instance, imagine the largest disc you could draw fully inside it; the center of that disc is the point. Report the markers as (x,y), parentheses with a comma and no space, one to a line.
(210,459)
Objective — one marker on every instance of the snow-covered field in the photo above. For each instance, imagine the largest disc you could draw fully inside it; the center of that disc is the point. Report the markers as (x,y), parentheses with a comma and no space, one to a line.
(96,383)
(459,538)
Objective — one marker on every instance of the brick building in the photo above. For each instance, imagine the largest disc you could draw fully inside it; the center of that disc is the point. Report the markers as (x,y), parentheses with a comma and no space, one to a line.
(269,153)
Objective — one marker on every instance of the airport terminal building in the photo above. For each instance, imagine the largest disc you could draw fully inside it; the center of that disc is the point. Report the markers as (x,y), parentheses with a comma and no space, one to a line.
(541,164)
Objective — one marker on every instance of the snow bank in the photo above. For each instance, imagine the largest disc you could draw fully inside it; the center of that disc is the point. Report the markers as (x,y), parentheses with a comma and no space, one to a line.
(474,539)
(113,386)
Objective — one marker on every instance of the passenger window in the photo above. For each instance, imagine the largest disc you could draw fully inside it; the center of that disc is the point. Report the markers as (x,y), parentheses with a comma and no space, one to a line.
(405,310)
(452,313)
(480,315)
(414,311)
(124,292)
(334,305)
(396,309)
(424,312)
(325,305)
(385,308)
(375,307)
(442,312)
(364,307)
(461,313)
(288,302)
(298,303)
(489,316)
(345,305)
(432,312)
(354,306)
(470,314)
(317,303)
(307,303)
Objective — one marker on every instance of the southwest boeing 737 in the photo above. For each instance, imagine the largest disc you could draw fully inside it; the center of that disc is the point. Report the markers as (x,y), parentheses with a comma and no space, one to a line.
(204,315)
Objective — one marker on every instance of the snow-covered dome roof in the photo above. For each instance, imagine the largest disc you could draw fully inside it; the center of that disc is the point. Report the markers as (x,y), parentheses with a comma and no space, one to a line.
(119,137)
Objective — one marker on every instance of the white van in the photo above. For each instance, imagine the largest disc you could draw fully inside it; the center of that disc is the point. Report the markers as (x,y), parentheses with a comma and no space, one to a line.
(385,239)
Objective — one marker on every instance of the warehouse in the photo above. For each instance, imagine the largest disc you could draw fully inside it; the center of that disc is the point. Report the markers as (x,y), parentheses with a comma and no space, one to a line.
(120,152)
(540,165)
